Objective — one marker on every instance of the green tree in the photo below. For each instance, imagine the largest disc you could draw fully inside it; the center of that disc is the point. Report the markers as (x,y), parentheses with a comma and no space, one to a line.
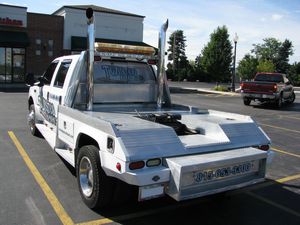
(247,67)
(176,53)
(282,60)
(265,66)
(217,56)
(276,51)
(294,73)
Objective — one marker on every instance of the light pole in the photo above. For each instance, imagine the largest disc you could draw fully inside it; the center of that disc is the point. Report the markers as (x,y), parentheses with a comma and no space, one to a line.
(174,49)
(235,39)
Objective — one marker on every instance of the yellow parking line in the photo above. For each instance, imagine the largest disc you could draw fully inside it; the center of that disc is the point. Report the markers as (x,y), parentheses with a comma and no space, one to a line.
(56,205)
(97,222)
(290,117)
(281,128)
(289,178)
(284,152)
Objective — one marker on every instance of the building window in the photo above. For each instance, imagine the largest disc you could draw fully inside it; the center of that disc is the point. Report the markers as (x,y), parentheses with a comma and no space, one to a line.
(12,65)
(38,41)
(50,53)
(37,52)
(50,44)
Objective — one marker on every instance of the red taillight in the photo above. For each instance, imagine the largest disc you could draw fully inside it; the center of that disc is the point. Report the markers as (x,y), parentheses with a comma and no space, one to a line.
(275,87)
(264,147)
(242,85)
(152,62)
(97,58)
(136,165)
(118,166)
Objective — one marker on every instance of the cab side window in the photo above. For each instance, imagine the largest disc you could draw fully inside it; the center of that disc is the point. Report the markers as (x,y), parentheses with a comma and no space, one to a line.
(49,73)
(62,73)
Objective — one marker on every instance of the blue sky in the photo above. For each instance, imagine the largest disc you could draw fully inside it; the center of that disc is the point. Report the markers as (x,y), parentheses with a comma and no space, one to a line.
(252,20)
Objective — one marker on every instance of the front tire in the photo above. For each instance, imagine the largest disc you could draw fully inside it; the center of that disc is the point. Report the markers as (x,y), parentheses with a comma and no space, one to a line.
(95,187)
(292,98)
(32,121)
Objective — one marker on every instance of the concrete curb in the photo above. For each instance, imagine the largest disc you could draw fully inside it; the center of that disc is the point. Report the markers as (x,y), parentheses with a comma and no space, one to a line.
(206,90)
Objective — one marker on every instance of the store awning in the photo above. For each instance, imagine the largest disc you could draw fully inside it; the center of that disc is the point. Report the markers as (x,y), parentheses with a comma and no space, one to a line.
(80,43)
(14,39)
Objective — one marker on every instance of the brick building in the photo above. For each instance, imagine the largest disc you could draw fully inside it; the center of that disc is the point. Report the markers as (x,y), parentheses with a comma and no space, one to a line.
(30,41)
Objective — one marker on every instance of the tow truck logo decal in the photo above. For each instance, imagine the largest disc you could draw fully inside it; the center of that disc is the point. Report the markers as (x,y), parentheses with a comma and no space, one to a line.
(47,110)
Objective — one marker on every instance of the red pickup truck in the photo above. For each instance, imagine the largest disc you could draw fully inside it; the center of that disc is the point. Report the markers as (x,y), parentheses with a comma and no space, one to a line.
(268,87)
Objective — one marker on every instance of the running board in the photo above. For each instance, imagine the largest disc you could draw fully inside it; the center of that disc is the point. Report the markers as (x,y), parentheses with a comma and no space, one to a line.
(66,155)
(48,134)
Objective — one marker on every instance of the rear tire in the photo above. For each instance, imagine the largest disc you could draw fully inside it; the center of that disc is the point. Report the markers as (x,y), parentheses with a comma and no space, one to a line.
(278,102)
(247,101)
(95,187)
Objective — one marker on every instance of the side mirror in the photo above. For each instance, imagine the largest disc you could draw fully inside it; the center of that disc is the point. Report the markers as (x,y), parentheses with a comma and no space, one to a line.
(30,79)
(41,81)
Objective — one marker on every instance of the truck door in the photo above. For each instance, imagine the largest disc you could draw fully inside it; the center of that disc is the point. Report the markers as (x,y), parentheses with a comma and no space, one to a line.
(43,98)
(57,91)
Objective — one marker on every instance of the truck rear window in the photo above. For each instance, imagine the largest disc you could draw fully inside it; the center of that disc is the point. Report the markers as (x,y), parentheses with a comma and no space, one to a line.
(123,73)
(276,78)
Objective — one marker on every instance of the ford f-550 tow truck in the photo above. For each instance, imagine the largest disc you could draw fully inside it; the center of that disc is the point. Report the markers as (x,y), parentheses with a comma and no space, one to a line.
(108,113)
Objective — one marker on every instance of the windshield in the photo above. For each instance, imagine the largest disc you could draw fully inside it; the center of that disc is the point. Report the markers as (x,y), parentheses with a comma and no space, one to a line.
(123,73)
(276,78)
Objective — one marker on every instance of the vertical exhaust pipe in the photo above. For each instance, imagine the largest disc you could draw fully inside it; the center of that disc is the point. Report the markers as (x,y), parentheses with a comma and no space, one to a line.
(90,58)
(161,74)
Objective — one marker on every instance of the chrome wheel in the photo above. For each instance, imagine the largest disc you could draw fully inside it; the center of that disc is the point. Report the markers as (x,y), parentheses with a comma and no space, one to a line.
(86,176)
(32,122)
(31,119)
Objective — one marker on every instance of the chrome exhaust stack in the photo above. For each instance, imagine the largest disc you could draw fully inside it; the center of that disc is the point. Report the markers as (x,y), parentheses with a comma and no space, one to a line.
(90,58)
(163,90)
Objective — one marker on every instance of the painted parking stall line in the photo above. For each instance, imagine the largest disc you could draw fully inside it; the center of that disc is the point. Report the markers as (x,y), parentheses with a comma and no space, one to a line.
(56,205)
(280,128)
(285,152)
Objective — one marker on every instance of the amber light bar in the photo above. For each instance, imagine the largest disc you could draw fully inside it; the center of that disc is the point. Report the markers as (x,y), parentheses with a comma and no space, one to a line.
(125,49)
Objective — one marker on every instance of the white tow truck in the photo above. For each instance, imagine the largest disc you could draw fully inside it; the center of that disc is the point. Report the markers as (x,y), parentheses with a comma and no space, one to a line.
(108,113)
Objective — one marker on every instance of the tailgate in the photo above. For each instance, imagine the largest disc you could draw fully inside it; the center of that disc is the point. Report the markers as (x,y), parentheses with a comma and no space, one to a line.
(258,87)
(200,175)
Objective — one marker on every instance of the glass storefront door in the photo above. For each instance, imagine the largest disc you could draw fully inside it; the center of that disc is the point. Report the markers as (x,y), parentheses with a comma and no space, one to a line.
(2,65)
(12,65)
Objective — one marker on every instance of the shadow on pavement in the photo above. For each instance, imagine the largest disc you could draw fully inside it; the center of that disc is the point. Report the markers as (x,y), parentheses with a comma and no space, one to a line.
(294,107)
(270,204)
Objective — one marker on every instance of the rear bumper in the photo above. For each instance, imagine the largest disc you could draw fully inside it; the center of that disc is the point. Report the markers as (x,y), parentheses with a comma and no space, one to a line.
(260,96)
(188,177)
(201,175)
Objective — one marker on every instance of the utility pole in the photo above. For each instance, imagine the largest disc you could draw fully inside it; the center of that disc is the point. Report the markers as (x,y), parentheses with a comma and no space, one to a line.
(235,39)
(174,49)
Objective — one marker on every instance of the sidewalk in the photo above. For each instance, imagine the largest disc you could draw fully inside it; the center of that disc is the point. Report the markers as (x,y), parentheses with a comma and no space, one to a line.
(202,87)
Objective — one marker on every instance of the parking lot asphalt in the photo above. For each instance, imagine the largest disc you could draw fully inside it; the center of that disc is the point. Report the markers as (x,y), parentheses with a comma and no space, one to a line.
(37,187)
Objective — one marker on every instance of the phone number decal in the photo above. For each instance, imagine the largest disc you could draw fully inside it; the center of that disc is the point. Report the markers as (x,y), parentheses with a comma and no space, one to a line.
(222,172)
